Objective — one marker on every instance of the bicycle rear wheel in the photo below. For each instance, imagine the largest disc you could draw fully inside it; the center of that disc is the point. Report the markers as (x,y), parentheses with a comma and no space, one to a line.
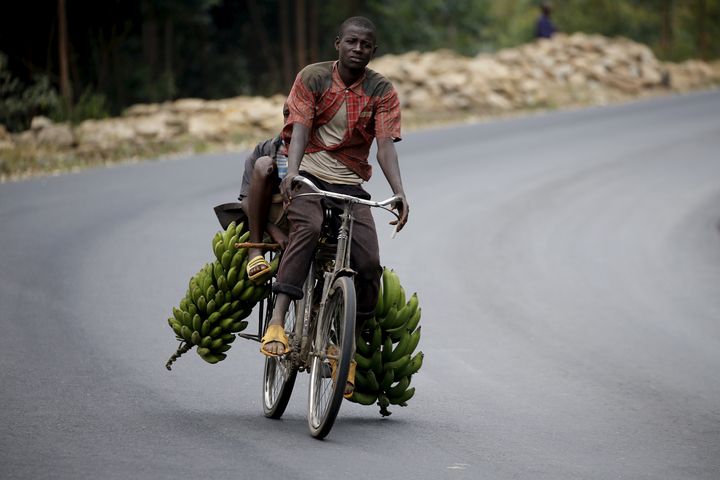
(280,372)
(334,342)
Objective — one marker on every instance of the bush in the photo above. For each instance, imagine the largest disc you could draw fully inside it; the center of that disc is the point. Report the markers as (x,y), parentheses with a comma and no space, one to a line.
(20,103)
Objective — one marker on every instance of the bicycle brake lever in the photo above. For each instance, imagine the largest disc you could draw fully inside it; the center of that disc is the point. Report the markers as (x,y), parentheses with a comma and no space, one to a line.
(394,233)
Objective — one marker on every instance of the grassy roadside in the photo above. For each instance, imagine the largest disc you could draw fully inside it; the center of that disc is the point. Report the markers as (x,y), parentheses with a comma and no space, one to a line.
(24,162)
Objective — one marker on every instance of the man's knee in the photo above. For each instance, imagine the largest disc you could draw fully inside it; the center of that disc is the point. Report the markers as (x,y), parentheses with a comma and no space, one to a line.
(368,267)
(264,166)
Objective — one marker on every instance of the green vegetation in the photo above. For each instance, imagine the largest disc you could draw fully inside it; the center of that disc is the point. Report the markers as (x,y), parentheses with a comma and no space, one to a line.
(87,59)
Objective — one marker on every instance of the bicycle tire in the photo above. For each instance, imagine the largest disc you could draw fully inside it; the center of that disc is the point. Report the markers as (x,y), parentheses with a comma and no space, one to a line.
(280,372)
(335,330)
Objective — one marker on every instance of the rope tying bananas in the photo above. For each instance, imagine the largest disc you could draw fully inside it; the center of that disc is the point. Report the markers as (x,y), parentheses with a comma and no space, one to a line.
(384,354)
(218,299)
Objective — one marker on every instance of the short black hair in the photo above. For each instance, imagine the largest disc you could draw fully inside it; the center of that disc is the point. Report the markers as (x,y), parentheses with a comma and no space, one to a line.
(361,22)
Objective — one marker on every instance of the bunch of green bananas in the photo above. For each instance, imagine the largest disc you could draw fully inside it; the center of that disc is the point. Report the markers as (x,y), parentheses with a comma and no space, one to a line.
(384,353)
(218,298)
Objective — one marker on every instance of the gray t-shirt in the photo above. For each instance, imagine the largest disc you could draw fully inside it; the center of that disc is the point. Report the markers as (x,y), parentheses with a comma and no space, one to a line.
(268,148)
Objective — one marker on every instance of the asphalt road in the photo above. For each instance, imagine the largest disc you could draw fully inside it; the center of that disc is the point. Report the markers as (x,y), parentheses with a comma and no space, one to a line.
(568,266)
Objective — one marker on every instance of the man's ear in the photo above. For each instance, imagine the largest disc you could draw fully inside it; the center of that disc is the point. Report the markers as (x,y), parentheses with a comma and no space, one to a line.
(374,51)
(337,43)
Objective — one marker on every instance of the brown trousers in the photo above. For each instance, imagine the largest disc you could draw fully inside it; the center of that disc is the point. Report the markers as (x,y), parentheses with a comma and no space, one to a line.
(305,215)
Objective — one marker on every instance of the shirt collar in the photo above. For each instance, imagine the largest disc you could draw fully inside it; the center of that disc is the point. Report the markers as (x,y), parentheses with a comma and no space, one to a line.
(339,86)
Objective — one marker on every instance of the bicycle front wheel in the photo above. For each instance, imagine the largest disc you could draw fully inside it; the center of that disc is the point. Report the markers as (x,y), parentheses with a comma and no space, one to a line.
(333,344)
(280,372)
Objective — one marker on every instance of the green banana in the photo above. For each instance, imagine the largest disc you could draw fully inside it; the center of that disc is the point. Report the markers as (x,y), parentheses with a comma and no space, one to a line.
(380,305)
(248,293)
(210,292)
(177,328)
(363,363)
(226,259)
(376,363)
(390,319)
(388,379)
(387,349)
(210,307)
(411,367)
(201,304)
(186,333)
(401,348)
(222,283)
(400,400)
(397,364)
(414,320)
(414,340)
(372,381)
(377,339)
(196,323)
(361,382)
(362,346)
(398,389)
(232,277)
(237,258)
(387,292)
(363,398)
(195,338)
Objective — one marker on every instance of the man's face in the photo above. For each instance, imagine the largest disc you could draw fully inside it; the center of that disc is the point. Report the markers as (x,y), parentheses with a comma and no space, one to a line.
(355,47)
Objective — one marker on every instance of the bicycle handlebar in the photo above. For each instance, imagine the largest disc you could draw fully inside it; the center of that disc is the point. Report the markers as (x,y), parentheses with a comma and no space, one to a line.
(349,198)
(340,196)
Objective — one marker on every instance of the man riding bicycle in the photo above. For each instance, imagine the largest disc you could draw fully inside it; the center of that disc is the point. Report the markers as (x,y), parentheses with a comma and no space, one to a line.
(336,110)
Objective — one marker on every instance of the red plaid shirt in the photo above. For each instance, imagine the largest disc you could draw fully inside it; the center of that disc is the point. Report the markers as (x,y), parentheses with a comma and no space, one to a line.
(373,111)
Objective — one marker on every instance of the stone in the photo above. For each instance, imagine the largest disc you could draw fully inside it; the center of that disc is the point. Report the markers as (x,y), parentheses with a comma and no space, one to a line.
(207,126)
(141,109)
(58,135)
(39,122)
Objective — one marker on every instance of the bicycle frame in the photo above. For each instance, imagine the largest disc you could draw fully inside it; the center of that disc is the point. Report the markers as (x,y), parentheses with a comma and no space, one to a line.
(341,264)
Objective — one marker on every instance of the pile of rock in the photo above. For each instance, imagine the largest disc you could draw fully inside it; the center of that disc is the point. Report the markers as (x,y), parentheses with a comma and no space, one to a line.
(566,70)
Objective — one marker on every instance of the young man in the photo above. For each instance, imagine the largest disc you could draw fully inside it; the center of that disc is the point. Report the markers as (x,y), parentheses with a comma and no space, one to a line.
(259,184)
(544,27)
(336,110)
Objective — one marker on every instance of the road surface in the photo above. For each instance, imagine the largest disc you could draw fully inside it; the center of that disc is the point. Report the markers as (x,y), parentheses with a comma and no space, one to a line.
(568,266)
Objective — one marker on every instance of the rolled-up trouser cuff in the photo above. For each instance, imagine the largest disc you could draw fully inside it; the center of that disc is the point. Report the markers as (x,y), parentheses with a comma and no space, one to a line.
(291,291)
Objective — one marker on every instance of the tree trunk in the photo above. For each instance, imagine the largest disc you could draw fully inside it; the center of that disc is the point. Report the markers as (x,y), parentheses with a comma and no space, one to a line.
(286,51)
(667,27)
(168,58)
(265,47)
(703,40)
(300,34)
(63,55)
(313,27)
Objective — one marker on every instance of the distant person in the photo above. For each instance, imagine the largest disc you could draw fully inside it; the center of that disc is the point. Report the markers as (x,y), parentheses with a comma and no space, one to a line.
(544,27)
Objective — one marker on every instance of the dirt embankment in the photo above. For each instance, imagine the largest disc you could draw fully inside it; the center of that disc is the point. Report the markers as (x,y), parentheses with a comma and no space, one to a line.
(434,87)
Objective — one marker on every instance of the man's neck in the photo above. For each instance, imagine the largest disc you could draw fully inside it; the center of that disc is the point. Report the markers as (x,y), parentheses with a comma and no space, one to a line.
(349,77)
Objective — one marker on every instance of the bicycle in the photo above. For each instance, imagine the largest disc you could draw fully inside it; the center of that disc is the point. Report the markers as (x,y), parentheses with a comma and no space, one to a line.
(320,330)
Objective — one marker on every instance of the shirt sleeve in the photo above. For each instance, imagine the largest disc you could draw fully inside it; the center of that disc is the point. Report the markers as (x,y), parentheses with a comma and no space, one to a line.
(301,103)
(387,117)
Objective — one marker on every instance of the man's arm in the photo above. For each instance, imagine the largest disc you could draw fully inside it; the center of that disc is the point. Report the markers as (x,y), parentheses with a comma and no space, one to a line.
(388,160)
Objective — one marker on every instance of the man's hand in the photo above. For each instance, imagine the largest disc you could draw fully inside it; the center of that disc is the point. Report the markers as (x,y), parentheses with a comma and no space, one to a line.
(401,205)
(286,187)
